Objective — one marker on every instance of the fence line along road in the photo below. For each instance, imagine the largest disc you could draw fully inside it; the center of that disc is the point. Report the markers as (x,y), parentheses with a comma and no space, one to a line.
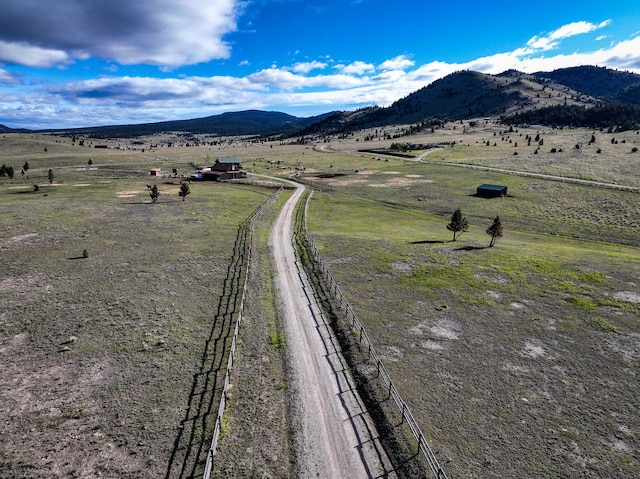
(247,225)
(425,449)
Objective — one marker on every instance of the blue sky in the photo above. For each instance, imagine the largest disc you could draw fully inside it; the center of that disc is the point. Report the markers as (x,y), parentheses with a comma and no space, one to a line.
(68,63)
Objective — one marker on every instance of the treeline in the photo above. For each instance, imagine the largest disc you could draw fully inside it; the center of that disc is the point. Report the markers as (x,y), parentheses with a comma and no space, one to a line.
(612,117)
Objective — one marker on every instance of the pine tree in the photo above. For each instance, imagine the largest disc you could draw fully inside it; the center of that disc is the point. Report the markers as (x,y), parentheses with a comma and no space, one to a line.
(154,193)
(459,223)
(184,190)
(495,231)
(50,176)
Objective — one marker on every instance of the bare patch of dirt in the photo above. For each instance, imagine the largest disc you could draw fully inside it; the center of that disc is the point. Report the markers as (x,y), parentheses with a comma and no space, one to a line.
(350,182)
(402,266)
(128,194)
(630,296)
(400,182)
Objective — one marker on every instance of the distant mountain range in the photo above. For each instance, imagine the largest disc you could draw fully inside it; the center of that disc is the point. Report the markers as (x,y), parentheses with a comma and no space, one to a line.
(6,129)
(579,96)
(250,122)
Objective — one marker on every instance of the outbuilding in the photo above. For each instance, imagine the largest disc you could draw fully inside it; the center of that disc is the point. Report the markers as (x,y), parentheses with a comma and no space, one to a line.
(491,191)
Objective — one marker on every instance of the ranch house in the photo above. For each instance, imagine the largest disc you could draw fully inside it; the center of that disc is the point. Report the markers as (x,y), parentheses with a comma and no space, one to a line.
(223,169)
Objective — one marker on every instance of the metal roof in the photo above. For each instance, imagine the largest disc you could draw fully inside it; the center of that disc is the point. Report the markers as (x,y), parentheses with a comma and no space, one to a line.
(492,187)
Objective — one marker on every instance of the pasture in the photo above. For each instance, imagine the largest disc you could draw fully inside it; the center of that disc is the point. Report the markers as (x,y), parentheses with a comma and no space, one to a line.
(517,360)
(105,357)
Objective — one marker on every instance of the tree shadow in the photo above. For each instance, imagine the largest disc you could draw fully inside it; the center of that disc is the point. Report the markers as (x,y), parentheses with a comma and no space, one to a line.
(471,248)
(428,242)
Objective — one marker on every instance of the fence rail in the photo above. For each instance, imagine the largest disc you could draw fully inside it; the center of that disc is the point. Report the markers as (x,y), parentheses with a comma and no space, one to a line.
(425,449)
(247,226)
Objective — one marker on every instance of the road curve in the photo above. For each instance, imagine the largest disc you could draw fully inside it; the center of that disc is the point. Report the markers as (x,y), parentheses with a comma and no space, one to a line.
(336,437)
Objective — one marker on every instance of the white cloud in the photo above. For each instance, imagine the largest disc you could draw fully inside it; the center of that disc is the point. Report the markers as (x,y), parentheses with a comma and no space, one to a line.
(552,40)
(389,76)
(32,56)
(400,62)
(167,33)
(6,77)
(306,67)
(573,29)
(356,68)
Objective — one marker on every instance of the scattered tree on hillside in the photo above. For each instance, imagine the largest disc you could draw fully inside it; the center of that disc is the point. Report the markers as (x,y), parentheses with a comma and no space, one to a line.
(6,171)
(459,223)
(184,190)
(25,167)
(495,231)
(154,193)
(50,176)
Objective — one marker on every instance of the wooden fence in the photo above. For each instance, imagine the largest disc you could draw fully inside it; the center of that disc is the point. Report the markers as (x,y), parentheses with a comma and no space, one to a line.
(312,250)
(247,225)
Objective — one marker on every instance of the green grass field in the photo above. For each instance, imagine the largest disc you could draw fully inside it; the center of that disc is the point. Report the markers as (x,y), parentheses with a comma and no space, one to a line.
(518,360)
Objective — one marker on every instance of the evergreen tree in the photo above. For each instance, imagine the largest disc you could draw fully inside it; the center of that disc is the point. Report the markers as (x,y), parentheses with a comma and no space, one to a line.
(184,190)
(6,171)
(50,176)
(495,231)
(459,223)
(154,193)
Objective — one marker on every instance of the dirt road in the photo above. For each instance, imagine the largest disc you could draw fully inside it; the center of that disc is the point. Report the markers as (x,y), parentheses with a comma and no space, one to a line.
(336,437)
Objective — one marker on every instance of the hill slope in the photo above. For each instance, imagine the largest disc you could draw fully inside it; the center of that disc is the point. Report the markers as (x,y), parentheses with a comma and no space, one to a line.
(250,122)
(6,129)
(461,95)
(600,82)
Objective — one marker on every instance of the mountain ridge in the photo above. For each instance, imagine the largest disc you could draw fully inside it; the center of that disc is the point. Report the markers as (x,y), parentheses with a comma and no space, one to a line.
(460,95)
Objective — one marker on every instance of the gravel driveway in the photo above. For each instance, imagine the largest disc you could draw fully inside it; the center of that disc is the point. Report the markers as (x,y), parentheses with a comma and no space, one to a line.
(335,435)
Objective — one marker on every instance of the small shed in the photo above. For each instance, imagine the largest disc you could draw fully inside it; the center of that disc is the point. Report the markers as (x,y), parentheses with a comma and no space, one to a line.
(491,191)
